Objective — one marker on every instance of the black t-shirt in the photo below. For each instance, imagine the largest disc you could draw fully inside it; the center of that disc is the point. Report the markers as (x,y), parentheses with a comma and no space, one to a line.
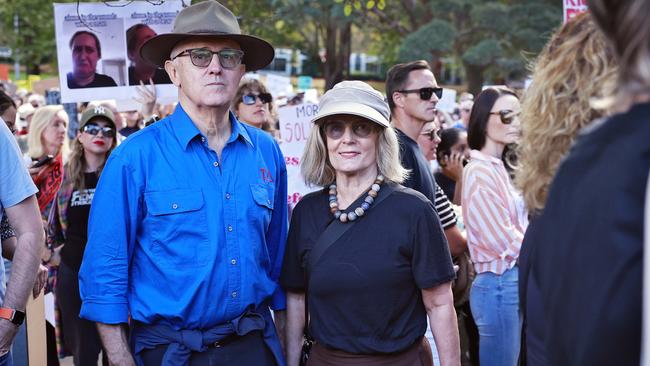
(584,257)
(365,291)
(100,80)
(447,185)
(77,232)
(128,131)
(421,179)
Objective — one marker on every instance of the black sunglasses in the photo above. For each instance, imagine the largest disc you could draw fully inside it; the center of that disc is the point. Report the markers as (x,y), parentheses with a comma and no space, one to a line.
(201,57)
(507,116)
(94,130)
(249,99)
(425,93)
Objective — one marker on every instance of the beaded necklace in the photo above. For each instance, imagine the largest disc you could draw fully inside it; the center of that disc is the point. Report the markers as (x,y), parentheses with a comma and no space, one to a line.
(359,211)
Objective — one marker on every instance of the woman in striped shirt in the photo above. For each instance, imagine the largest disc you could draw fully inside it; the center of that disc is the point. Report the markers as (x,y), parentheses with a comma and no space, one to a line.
(495,220)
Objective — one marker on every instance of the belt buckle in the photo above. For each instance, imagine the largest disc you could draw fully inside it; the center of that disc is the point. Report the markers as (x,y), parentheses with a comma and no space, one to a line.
(217,344)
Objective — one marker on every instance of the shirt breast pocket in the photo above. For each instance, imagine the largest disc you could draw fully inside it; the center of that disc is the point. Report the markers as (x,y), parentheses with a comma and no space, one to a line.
(263,196)
(177,225)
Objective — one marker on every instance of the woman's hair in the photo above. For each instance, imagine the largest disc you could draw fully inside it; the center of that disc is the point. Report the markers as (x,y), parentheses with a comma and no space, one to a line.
(131,36)
(41,119)
(254,85)
(448,138)
(480,115)
(575,67)
(317,170)
(76,166)
(5,102)
(626,25)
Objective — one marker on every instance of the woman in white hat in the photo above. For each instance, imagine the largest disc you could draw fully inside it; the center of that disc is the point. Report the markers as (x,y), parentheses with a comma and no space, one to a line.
(367,256)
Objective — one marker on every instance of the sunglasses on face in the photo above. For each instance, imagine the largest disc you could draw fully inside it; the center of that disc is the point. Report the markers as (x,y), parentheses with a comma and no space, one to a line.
(507,116)
(94,130)
(249,99)
(425,93)
(431,135)
(201,57)
(336,129)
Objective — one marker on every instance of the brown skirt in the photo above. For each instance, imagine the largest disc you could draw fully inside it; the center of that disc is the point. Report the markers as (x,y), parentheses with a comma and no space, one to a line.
(419,354)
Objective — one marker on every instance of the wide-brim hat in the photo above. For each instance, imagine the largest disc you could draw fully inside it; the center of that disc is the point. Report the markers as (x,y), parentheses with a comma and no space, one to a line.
(211,19)
(355,98)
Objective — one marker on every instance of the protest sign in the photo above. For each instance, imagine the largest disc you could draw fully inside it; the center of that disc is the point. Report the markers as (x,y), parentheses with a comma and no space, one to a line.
(98,48)
(278,84)
(295,127)
(448,101)
(573,8)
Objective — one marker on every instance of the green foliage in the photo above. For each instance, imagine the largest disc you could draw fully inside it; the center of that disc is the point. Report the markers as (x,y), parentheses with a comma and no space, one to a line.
(483,53)
(436,37)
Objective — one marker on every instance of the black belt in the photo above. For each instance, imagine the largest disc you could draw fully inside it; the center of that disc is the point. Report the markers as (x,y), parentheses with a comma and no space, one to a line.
(232,338)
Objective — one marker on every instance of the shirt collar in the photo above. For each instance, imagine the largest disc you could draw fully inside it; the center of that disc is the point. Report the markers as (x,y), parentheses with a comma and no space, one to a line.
(476,154)
(186,130)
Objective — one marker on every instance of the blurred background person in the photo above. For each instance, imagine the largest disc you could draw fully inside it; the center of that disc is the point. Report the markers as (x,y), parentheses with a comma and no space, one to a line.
(464,110)
(588,241)
(47,151)
(36,100)
(142,71)
(495,220)
(253,105)
(67,227)
(452,155)
(8,111)
(575,69)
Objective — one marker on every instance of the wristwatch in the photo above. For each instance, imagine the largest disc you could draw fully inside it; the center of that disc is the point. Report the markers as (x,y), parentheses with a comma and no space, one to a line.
(15,316)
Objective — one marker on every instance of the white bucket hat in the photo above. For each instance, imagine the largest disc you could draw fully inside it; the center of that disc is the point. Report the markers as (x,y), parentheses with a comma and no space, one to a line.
(356,98)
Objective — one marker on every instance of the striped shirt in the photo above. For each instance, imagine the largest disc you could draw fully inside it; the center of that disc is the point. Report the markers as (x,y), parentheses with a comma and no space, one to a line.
(494,214)
(444,209)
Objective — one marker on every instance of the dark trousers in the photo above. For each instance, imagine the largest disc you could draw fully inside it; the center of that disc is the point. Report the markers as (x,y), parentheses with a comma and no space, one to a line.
(247,350)
(80,335)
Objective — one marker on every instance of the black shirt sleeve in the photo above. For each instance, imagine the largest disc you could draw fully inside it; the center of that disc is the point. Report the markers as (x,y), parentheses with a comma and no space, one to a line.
(431,261)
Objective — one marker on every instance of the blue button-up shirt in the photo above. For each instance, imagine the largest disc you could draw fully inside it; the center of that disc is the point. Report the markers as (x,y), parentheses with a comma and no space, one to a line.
(179,237)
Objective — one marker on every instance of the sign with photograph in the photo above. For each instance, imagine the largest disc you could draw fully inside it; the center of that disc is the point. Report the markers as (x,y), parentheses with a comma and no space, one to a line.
(98,48)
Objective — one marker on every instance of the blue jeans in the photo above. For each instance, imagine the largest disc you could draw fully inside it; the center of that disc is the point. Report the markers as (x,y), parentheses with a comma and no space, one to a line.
(494,300)
(6,360)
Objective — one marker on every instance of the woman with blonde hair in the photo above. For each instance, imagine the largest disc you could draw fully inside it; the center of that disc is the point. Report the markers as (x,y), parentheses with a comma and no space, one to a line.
(47,150)
(587,244)
(576,69)
(366,258)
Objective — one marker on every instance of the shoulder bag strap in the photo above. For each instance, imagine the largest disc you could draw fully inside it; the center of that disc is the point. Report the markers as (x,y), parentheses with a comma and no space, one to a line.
(645,332)
(332,233)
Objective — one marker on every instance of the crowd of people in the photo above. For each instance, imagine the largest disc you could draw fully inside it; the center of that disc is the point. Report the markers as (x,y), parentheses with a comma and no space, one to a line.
(511,228)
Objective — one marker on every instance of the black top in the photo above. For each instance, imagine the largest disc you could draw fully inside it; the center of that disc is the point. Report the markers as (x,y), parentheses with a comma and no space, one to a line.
(78,212)
(100,80)
(127,131)
(421,179)
(365,290)
(160,76)
(586,250)
(447,184)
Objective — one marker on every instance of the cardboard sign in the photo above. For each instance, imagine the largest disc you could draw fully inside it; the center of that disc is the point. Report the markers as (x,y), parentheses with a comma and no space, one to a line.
(295,127)
(93,42)
(573,8)
(278,84)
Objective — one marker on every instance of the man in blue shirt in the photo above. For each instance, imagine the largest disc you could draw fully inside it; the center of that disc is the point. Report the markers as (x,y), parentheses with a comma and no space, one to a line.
(188,223)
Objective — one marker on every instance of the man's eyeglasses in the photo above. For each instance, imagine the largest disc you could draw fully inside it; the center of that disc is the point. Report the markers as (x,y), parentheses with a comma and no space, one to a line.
(507,116)
(431,135)
(425,93)
(336,129)
(249,99)
(94,130)
(201,57)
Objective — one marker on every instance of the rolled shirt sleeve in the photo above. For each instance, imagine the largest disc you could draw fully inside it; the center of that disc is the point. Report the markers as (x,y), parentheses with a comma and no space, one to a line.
(103,277)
